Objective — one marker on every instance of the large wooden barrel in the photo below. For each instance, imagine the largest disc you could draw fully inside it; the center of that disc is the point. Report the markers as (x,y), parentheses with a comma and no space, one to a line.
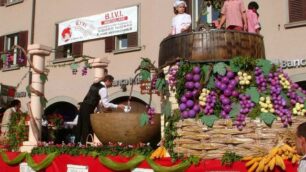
(213,45)
(125,127)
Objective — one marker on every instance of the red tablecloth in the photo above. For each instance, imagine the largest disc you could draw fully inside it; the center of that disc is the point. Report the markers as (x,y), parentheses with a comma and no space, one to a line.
(60,164)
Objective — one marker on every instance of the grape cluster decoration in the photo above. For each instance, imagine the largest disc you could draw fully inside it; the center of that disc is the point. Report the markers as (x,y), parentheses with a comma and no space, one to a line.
(245,87)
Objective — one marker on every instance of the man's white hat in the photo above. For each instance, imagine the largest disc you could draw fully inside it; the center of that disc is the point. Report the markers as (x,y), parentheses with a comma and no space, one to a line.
(179,2)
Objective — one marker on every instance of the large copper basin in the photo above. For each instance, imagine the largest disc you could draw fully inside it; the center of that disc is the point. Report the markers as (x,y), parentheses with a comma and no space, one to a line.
(124,127)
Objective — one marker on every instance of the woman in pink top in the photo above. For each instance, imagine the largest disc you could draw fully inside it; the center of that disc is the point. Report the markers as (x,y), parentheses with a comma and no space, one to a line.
(233,13)
(252,15)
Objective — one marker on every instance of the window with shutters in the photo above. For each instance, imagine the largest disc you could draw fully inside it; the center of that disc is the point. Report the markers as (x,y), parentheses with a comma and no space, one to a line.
(297,13)
(11,56)
(122,43)
(68,51)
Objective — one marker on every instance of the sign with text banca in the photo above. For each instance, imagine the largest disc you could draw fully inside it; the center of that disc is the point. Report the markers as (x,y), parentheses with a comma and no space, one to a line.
(116,22)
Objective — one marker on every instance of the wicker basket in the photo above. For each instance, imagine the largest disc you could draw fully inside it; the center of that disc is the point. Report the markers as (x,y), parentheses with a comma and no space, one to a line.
(256,138)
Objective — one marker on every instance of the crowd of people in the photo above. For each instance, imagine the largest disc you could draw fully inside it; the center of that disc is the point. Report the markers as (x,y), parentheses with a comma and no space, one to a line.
(233,15)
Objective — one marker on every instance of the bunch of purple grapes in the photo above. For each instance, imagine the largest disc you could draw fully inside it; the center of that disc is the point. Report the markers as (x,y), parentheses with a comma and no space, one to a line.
(279,102)
(188,106)
(246,106)
(153,82)
(74,71)
(210,103)
(227,85)
(150,112)
(84,71)
(260,79)
(172,75)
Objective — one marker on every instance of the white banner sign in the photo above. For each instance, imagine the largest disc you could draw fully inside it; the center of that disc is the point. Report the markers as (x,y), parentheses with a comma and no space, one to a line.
(111,23)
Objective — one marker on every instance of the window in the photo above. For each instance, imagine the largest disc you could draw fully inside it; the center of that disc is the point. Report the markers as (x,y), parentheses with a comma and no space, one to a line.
(67,51)
(297,10)
(122,42)
(13,57)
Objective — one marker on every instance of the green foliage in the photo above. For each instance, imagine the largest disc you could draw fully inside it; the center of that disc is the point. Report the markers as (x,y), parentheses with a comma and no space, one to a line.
(74,66)
(211,82)
(144,119)
(180,85)
(265,65)
(104,150)
(43,101)
(220,68)
(209,120)
(161,84)
(252,91)
(255,112)
(170,132)
(17,132)
(230,157)
(145,75)
(235,110)
(166,108)
(242,63)
(28,91)
(267,118)
(145,66)
(43,77)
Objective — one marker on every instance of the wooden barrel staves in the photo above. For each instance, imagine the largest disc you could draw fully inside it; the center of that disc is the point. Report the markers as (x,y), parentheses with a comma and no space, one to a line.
(213,45)
(125,127)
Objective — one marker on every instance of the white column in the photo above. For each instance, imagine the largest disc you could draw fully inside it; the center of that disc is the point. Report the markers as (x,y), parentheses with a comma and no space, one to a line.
(99,65)
(38,53)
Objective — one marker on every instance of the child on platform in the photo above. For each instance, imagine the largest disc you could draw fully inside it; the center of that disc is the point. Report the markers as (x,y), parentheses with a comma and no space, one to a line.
(182,21)
(252,15)
(233,14)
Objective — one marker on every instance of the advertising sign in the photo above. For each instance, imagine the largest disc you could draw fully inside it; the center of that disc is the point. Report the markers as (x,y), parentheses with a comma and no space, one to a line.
(116,22)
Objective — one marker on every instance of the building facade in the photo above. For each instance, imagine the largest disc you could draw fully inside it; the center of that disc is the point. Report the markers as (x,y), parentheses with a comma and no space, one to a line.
(36,22)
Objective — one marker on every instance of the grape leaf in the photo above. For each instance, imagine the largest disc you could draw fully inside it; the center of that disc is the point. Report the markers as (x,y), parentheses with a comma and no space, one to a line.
(220,68)
(234,67)
(166,108)
(252,91)
(144,119)
(43,101)
(265,65)
(211,82)
(74,66)
(43,77)
(235,110)
(209,120)
(28,91)
(160,84)
(267,118)
(205,69)
(145,75)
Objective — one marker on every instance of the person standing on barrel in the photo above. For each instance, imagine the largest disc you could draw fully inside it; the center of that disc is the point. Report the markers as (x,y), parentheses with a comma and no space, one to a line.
(97,93)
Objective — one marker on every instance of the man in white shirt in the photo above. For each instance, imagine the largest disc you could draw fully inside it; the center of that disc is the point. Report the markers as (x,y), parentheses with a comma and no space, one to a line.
(97,92)
(301,146)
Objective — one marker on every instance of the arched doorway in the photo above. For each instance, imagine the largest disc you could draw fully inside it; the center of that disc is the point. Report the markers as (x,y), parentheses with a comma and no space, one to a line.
(64,109)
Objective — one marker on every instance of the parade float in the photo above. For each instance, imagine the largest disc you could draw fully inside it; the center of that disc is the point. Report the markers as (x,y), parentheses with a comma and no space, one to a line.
(224,108)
